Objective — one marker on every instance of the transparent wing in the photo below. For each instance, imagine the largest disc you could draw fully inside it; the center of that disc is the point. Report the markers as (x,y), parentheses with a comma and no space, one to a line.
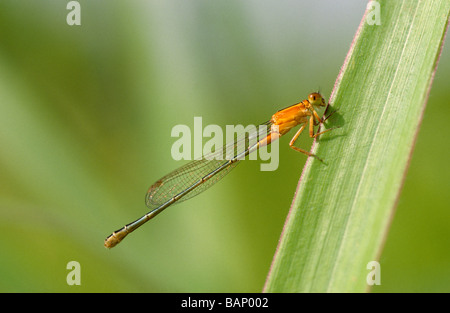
(186,176)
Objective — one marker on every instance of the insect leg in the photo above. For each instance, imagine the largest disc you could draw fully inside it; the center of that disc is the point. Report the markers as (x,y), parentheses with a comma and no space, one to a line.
(311,126)
(294,139)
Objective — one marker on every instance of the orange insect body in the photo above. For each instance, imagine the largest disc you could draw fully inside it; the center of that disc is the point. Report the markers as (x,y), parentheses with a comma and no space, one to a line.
(291,117)
(300,113)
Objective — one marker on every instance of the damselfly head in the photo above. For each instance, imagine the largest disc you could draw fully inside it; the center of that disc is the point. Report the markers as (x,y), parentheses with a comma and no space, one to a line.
(316,99)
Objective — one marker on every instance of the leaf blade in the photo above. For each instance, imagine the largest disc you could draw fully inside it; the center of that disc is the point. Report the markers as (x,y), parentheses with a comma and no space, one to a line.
(341,212)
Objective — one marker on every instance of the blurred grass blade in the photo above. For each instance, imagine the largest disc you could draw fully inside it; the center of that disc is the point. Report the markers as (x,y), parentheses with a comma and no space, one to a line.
(342,209)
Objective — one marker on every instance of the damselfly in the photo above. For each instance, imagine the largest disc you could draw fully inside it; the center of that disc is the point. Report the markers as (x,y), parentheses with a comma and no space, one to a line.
(198,175)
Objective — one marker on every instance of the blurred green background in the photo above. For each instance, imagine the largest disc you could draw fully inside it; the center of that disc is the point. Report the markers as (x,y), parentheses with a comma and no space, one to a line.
(85,119)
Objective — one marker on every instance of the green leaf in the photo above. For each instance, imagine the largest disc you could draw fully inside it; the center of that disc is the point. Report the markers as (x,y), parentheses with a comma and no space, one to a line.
(342,209)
